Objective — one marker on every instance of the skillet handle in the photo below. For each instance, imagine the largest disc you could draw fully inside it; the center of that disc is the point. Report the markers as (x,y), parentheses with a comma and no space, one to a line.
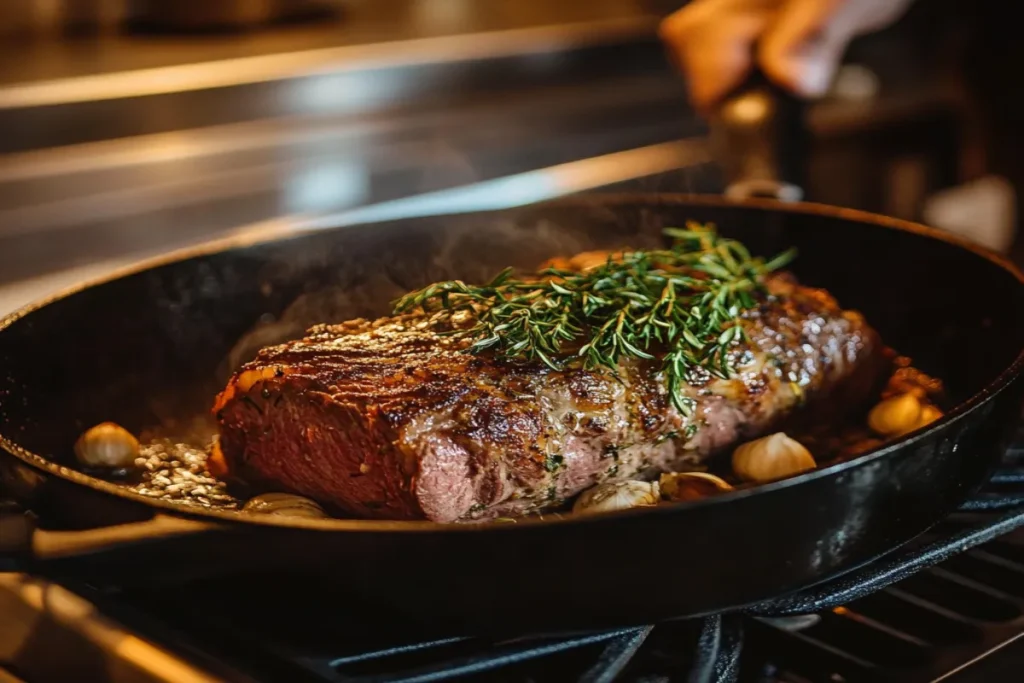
(759,136)
(22,545)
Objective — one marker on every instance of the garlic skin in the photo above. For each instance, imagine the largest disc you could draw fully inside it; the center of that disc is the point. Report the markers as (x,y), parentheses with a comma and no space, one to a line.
(618,496)
(681,486)
(772,457)
(107,445)
(285,505)
(896,415)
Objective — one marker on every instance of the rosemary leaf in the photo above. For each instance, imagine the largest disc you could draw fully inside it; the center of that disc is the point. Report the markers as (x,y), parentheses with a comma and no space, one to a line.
(686,302)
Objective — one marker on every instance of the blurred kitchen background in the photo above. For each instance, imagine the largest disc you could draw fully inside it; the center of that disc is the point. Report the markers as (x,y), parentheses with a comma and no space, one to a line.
(132,127)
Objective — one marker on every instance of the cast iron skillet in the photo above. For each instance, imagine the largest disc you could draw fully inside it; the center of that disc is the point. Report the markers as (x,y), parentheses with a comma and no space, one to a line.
(153,346)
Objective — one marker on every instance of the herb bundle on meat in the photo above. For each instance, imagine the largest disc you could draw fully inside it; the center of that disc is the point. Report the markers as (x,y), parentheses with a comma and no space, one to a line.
(682,304)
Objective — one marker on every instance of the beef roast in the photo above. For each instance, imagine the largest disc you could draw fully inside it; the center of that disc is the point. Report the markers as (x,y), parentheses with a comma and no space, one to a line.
(389,419)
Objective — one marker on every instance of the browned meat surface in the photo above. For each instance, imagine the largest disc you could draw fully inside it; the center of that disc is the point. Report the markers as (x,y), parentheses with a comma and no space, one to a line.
(387,419)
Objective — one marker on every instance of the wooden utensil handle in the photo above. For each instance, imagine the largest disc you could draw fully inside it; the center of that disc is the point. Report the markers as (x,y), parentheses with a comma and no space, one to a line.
(759,136)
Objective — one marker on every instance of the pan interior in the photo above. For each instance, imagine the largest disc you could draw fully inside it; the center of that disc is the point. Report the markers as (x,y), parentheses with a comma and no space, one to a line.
(150,350)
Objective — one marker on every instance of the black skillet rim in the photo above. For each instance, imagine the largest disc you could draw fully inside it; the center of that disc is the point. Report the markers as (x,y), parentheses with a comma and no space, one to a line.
(356,525)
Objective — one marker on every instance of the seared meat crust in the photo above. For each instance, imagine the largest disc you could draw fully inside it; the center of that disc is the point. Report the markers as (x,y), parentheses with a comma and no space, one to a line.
(389,419)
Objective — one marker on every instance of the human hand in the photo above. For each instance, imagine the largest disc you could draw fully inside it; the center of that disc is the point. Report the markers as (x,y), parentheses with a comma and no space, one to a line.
(799,43)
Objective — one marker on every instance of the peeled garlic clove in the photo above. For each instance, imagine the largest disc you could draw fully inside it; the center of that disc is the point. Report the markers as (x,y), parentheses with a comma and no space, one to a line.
(896,415)
(928,415)
(680,486)
(284,504)
(107,445)
(618,496)
(772,457)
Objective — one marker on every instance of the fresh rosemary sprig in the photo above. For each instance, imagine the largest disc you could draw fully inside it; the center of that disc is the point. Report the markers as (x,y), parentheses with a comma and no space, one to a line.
(682,304)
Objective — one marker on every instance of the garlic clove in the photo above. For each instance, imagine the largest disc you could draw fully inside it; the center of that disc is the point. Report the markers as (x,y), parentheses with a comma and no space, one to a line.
(771,457)
(680,486)
(929,414)
(896,415)
(107,445)
(620,495)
